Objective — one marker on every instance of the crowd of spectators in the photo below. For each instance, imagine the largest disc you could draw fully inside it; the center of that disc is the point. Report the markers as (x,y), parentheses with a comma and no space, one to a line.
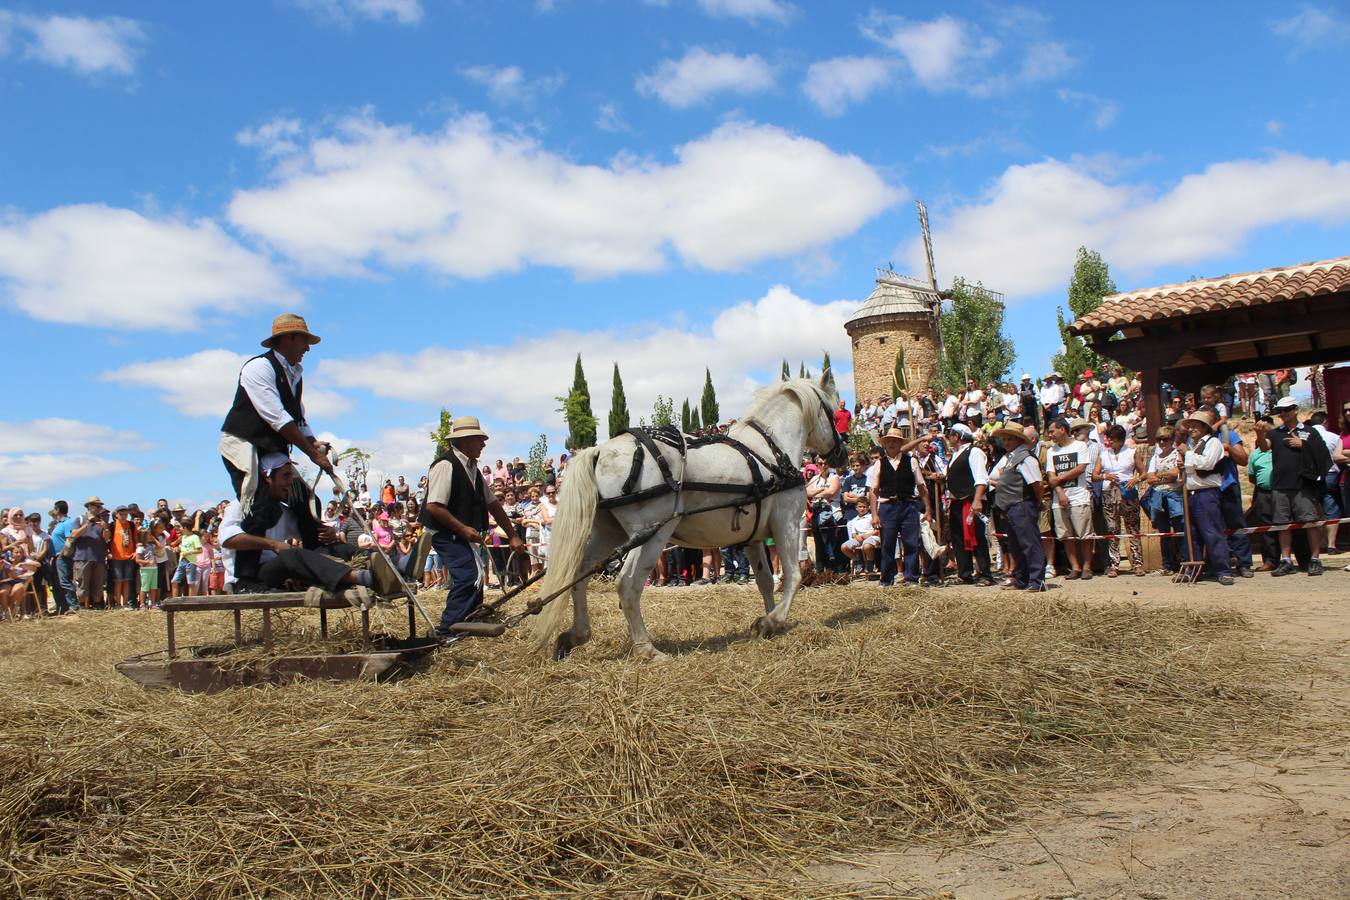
(1106,473)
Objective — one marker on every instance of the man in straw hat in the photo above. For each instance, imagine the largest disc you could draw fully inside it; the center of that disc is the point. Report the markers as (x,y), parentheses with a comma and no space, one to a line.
(1018,493)
(896,487)
(455,515)
(268,414)
(1203,480)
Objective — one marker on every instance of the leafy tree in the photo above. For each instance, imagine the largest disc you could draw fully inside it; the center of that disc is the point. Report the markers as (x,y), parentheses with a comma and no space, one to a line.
(899,379)
(576,409)
(684,416)
(618,406)
(1091,282)
(973,342)
(534,464)
(440,436)
(663,412)
(787,373)
(710,414)
(859,441)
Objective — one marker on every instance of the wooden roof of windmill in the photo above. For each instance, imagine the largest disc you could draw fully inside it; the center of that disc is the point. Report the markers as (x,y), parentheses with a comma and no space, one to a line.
(896,295)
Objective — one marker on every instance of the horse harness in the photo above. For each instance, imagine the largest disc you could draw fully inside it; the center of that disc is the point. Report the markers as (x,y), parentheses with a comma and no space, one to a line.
(766,477)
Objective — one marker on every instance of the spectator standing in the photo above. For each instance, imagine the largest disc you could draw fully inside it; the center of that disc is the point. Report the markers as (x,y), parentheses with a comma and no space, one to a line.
(1118,473)
(63,562)
(1071,501)
(91,533)
(1298,465)
(1164,477)
(1203,480)
(1262,507)
(121,553)
(843,419)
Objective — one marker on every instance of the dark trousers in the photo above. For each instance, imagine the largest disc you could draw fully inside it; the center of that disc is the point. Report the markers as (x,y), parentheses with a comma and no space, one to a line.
(956,533)
(1230,506)
(1262,513)
(464,594)
(735,561)
(825,531)
(305,566)
(64,585)
(899,520)
(1024,536)
(1207,531)
(1167,515)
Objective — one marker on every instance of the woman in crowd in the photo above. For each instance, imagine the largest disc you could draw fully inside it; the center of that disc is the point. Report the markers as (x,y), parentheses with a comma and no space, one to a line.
(1118,474)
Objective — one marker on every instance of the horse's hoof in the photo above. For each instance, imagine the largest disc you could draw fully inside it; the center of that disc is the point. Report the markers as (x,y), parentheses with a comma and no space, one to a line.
(563,646)
(762,628)
(648,653)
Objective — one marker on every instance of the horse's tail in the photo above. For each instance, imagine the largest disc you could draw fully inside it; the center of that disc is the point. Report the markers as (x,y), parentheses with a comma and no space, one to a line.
(567,541)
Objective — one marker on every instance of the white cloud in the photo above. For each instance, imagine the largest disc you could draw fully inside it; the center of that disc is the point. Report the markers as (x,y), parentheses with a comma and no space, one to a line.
(833,84)
(1103,111)
(88,46)
(750,10)
(1021,234)
(951,54)
(508,84)
(698,75)
(473,202)
(274,138)
(57,435)
(346,12)
(610,118)
(115,268)
(1313,26)
(39,471)
(748,338)
(203,384)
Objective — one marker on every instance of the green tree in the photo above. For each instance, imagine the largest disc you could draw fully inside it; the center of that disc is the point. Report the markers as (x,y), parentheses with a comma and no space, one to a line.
(684,416)
(710,414)
(534,464)
(441,435)
(618,406)
(1091,282)
(827,371)
(801,369)
(576,409)
(899,377)
(695,422)
(663,412)
(973,343)
(787,373)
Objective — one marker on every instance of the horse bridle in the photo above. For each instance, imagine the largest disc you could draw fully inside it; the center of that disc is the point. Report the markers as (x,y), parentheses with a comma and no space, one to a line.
(838,454)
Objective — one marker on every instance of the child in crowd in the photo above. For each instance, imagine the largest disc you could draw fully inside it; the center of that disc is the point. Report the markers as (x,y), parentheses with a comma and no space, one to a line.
(863,537)
(149,570)
(185,575)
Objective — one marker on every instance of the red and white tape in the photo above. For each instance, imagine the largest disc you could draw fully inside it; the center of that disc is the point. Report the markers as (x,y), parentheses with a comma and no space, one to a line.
(1255,529)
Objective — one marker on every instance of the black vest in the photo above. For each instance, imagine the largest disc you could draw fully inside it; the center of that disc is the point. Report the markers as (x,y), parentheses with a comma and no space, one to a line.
(960,480)
(466,498)
(897,483)
(1012,487)
(244,422)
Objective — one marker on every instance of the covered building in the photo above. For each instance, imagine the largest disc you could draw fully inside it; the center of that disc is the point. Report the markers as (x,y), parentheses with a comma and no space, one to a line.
(900,315)
(1201,332)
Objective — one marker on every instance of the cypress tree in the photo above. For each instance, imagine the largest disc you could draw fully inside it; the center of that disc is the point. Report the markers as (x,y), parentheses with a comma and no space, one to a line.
(827,372)
(711,415)
(787,373)
(684,416)
(618,406)
(694,424)
(801,369)
(576,409)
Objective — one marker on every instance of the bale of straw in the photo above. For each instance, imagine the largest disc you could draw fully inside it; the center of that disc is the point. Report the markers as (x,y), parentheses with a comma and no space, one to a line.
(882,716)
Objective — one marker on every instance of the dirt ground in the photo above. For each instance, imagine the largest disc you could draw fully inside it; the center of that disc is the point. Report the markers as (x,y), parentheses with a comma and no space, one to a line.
(1272,824)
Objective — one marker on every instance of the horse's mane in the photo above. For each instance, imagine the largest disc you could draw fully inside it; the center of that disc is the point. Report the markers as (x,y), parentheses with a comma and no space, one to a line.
(807,392)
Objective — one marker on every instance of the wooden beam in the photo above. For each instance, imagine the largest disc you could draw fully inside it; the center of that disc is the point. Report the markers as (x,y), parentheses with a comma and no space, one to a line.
(1151,385)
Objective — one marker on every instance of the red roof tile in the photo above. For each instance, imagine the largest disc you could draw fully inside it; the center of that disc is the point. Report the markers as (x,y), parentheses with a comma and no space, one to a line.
(1169,301)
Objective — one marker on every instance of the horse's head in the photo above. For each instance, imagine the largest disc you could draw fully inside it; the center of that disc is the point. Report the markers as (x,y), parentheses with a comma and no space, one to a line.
(821,434)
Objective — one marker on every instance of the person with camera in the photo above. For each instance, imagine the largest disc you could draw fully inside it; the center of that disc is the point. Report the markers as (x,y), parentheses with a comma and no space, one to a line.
(90,534)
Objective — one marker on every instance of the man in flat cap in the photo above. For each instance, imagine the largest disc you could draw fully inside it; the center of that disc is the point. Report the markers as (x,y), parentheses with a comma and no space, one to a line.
(268,414)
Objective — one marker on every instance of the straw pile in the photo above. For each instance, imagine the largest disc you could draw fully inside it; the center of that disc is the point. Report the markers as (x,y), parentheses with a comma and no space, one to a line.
(881,717)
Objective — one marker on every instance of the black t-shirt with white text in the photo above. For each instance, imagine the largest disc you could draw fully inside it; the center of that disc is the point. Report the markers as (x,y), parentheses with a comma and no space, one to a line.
(1286,461)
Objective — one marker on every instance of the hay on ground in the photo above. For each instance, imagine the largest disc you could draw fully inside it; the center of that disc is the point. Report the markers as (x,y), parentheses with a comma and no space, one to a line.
(881,716)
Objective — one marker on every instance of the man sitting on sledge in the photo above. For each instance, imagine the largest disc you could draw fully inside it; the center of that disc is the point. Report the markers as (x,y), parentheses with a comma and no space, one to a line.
(281,543)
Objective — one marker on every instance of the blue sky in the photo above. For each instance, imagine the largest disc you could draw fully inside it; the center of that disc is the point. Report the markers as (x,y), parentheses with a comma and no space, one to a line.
(461,196)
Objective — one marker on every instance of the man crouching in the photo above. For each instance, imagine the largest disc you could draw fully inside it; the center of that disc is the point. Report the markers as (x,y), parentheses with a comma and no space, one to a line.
(282,541)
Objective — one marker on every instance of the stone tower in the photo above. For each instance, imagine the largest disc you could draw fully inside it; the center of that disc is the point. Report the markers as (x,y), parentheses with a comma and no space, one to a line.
(901,314)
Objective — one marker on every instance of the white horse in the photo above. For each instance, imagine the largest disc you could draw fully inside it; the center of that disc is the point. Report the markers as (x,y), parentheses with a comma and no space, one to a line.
(603,505)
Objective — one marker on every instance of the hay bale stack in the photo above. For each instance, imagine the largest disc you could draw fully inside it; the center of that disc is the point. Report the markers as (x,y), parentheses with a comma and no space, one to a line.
(881,716)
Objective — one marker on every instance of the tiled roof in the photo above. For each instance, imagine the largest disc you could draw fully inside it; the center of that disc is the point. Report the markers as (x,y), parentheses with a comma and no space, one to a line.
(1168,301)
(896,295)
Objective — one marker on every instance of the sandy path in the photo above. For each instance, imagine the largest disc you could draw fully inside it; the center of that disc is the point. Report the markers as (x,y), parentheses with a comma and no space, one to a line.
(1275,824)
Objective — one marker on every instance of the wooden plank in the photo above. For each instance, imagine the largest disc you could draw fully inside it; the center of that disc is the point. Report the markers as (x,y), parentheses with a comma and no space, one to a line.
(267,628)
(238,627)
(248,601)
(168,624)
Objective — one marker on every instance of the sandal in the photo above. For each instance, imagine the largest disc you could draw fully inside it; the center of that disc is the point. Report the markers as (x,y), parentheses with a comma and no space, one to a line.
(1112,572)
(1072,574)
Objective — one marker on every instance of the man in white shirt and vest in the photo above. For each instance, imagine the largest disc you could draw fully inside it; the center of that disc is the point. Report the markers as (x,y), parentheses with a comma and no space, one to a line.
(1018,493)
(896,486)
(268,413)
(456,516)
(1203,480)
(968,483)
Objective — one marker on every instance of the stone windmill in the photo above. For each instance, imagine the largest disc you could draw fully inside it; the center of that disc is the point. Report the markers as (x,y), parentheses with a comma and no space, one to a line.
(898,326)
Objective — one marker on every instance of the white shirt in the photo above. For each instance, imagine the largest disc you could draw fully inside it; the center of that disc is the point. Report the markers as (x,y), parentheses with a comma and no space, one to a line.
(1120,464)
(1165,464)
(1052,393)
(860,527)
(1208,455)
(1012,404)
(1333,443)
(949,406)
(979,463)
(260,383)
(1061,460)
(1030,468)
(232,523)
(974,402)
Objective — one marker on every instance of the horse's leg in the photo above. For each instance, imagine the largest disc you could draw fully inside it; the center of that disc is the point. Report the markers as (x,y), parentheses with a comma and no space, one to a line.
(758,557)
(785,523)
(606,536)
(634,573)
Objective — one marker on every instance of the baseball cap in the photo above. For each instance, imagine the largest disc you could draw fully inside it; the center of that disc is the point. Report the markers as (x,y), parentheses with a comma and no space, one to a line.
(1286,403)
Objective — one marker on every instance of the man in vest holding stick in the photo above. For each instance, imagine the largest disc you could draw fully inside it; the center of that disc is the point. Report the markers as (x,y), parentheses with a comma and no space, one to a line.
(456,515)
(895,483)
(268,415)
(1018,493)
(968,483)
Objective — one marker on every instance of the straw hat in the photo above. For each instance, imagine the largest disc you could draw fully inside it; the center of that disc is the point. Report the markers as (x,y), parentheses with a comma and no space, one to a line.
(289,323)
(1010,429)
(1075,424)
(92,501)
(895,434)
(1202,417)
(467,427)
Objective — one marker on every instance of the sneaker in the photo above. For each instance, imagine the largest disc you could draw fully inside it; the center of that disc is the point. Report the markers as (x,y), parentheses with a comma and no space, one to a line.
(984,581)
(1168,573)
(1284,568)
(1225,580)
(1245,572)
(387,582)
(1314,567)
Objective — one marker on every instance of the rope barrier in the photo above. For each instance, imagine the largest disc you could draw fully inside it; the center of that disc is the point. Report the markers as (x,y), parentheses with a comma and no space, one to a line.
(1254,529)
